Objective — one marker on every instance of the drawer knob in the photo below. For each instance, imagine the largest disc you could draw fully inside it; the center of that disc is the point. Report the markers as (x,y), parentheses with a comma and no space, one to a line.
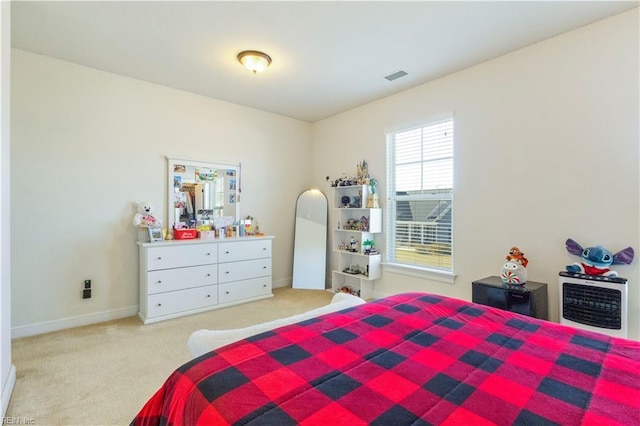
(159,304)
(159,281)
(208,275)
(226,252)
(208,295)
(264,248)
(226,292)
(159,258)
(227,272)
(264,267)
(264,285)
(208,254)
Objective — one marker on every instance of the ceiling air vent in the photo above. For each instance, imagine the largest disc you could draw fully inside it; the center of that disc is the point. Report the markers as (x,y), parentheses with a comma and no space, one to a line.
(396,75)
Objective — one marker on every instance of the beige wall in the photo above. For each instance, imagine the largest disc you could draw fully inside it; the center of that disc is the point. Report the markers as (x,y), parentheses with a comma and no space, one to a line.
(546,148)
(88,144)
(7,370)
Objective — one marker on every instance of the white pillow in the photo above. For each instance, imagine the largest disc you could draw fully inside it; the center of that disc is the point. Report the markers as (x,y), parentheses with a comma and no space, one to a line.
(203,341)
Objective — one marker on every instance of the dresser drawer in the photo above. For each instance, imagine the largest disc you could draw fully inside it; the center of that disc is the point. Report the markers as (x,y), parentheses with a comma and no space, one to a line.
(182,300)
(180,256)
(180,278)
(244,250)
(235,271)
(231,292)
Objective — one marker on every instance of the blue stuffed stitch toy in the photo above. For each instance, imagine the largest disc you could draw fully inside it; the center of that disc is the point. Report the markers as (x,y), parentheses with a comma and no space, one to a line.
(597,259)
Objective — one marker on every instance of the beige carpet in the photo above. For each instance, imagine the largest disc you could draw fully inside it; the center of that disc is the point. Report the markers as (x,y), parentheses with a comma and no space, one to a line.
(103,374)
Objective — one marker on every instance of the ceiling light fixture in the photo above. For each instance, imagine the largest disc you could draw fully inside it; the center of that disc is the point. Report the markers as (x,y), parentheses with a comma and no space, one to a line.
(254,61)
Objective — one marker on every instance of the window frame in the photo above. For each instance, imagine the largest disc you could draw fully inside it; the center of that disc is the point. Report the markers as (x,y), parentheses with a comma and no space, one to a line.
(391,264)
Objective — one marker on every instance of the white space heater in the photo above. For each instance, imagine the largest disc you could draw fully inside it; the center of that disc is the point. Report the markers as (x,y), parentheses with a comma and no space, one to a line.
(594,303)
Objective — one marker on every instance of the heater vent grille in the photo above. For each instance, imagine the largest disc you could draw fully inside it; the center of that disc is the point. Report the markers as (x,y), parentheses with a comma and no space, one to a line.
(594,306)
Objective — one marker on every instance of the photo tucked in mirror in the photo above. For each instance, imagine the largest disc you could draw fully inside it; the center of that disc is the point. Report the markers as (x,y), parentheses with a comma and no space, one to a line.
(200,192)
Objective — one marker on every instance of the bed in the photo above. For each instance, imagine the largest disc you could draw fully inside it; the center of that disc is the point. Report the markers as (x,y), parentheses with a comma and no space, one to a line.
(408,359)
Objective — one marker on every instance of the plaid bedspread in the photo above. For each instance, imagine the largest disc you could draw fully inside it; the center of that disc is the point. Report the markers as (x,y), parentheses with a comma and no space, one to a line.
(408,359)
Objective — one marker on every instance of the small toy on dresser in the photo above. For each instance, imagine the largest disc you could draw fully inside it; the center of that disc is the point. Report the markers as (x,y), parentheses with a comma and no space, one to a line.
(149,228)
(597,259)
(145,217)
(514,271)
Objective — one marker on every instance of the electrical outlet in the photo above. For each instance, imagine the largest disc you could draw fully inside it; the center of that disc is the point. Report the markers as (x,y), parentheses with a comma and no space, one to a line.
(87,284)
(86,294)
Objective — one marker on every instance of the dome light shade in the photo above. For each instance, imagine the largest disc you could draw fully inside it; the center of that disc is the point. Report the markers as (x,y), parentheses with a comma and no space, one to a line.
(254,61)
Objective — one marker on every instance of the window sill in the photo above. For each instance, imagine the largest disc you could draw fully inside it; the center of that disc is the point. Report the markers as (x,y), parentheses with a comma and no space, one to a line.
(416,271)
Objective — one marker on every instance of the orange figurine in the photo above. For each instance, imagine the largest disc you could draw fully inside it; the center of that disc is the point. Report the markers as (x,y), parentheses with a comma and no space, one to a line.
(516,255)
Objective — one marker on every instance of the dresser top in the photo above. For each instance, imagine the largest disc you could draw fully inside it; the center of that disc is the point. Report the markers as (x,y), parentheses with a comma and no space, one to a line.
(204,241)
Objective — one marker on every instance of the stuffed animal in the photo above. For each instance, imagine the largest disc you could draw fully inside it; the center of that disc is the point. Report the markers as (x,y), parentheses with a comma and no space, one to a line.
(513,272)
(516,255)
(597,259)
(145,217)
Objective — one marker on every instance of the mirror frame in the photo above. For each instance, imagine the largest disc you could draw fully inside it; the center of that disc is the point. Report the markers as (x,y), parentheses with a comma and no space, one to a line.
(310,241)
(172,162)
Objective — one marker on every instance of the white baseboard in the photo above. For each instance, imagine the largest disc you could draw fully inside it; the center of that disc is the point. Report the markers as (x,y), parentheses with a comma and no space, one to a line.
(77,321)
(7,390)
(62,324)
(281,283)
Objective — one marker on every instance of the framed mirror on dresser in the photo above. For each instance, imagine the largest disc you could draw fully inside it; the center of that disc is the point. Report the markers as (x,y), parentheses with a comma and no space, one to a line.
(201,191)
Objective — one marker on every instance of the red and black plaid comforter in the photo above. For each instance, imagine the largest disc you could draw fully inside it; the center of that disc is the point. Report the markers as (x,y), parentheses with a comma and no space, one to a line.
(408,359)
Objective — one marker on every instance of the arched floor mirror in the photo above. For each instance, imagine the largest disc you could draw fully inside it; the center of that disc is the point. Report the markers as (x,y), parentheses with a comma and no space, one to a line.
(310,243)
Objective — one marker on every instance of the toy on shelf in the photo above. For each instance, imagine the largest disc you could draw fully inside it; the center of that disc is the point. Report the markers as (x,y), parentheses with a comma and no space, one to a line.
(353,245)
(356,270)
(597,259)
(367,246)
(361,177)
(349,290)
(372,198)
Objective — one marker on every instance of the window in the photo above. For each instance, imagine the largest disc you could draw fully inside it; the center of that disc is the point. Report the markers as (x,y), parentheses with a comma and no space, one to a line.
(420,196)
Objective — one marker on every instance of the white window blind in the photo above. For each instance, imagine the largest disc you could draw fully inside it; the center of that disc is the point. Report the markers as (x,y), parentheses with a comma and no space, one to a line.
(420,196)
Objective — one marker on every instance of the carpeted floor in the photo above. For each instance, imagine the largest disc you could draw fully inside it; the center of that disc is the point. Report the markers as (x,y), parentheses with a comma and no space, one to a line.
(103,374)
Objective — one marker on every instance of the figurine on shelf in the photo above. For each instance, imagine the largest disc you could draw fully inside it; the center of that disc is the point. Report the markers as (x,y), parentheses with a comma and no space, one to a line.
(372,199)
(354,270)
(352,225)
(342,181)
(361,177)
(364,224)
(369,247)
(352,245)
(362,173)
(349,290)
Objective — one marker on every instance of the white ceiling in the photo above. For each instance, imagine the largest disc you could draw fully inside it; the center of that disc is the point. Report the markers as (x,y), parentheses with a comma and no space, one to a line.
(328,57)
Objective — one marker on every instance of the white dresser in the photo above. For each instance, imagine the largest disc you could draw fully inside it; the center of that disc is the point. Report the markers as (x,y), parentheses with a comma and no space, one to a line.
(183,277)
